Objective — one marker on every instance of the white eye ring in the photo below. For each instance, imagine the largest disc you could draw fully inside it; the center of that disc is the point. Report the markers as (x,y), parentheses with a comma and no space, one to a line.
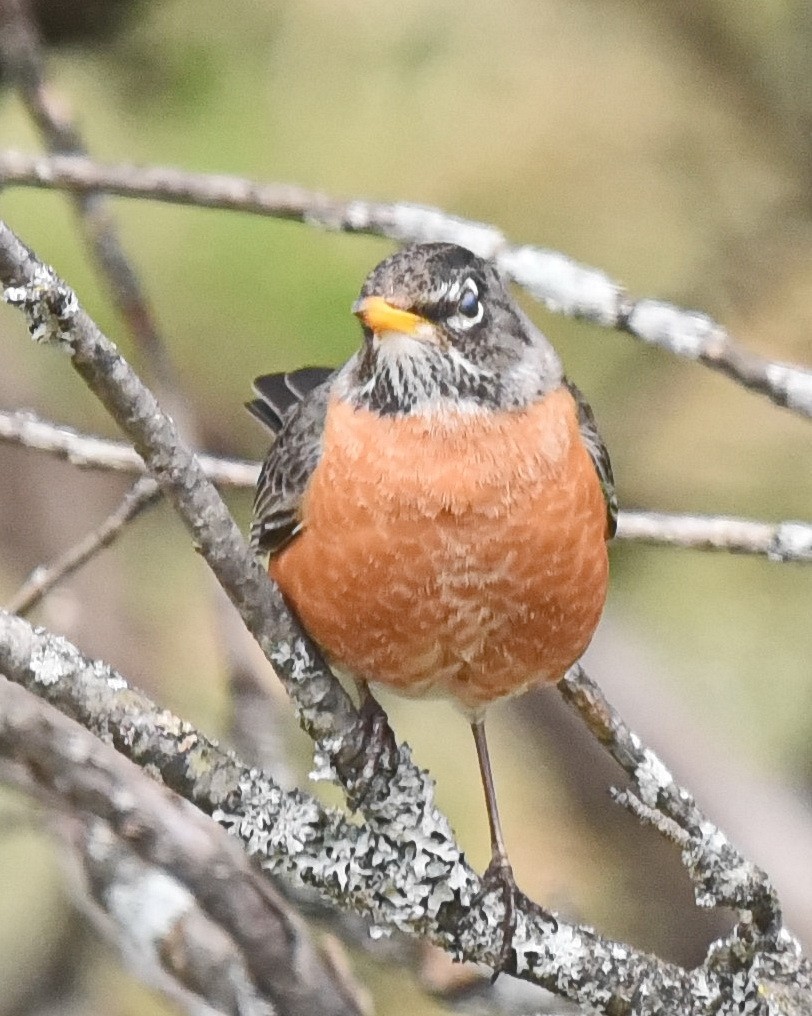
(469,311)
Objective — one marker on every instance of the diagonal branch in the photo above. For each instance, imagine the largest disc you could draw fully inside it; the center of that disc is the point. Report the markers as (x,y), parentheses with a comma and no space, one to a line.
(564,285)
(144,493)
(325,710)
(191,880)
(434,893)
(21,54)
(402,866)
(721,875)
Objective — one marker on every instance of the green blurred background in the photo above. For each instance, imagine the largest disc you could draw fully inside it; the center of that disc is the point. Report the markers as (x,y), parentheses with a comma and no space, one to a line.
(669,144)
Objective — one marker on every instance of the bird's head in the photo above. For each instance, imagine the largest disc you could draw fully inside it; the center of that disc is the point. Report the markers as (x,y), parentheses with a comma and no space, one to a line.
(440,329)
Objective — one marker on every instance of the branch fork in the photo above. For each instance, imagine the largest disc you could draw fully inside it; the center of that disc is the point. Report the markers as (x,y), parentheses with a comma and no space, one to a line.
(401,866)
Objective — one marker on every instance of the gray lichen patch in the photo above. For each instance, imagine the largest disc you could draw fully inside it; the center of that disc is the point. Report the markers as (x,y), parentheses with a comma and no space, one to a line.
(652,776)
(401,878)
(49,306)
(52,660)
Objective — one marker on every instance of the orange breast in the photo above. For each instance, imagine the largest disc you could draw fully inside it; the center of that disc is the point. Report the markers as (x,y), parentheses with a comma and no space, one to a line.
(460,555)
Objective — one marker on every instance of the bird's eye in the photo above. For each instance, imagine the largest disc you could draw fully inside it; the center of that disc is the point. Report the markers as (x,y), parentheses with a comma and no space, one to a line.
(469,304)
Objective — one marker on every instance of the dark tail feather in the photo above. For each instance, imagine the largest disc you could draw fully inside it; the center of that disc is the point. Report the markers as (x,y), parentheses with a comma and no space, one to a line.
(266,415)
(278,393)
(302,382)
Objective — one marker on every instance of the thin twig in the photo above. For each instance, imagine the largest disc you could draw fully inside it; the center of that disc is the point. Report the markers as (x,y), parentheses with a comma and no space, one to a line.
(778,541)
(710,858)
(144,493)
(88,451)
(564,285)
(22,56)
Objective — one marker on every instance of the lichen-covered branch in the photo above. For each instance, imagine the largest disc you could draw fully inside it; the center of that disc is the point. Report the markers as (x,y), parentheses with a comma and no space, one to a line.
(778,541)
(401,866)
(182,898)
(721,876)
(54,316)
(562,284)
(407,874)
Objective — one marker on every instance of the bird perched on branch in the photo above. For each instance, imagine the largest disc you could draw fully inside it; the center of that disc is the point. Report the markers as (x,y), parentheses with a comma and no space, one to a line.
(436,511)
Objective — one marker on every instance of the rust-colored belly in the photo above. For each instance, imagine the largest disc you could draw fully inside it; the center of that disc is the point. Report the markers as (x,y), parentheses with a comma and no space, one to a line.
(460,555)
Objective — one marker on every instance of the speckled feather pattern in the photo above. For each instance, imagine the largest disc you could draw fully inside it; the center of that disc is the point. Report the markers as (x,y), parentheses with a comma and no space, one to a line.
(454,553)
(286,473)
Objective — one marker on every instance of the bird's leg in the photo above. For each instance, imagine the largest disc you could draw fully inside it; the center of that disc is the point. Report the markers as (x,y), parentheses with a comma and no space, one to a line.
(499,873)
(379,750)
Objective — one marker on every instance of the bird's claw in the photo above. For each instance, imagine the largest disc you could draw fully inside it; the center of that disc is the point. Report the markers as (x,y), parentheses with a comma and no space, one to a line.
(378,751)
(498,877)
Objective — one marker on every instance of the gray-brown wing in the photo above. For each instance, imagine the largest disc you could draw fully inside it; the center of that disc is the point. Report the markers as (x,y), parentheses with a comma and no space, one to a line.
(599,455)
(287,469)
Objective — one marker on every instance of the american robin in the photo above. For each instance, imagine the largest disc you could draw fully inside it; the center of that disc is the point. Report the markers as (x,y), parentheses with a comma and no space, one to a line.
(436,511)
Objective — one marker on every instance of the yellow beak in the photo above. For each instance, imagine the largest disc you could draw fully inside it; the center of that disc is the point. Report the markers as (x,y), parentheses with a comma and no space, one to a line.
(381,316)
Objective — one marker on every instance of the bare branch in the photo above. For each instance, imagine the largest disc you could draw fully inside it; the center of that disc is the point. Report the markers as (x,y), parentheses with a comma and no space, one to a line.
(325,709)
(565,286)
(42,580)
(779,541)
(21,54)
(88,451)
(203,910)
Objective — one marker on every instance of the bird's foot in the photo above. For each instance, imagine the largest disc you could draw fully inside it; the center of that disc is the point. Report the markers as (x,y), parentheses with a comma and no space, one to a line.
(378,752)
(499,878)
(380,747)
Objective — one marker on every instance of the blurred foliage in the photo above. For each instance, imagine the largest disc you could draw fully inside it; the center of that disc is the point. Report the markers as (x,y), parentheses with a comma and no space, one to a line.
(666,143)
(83,22)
